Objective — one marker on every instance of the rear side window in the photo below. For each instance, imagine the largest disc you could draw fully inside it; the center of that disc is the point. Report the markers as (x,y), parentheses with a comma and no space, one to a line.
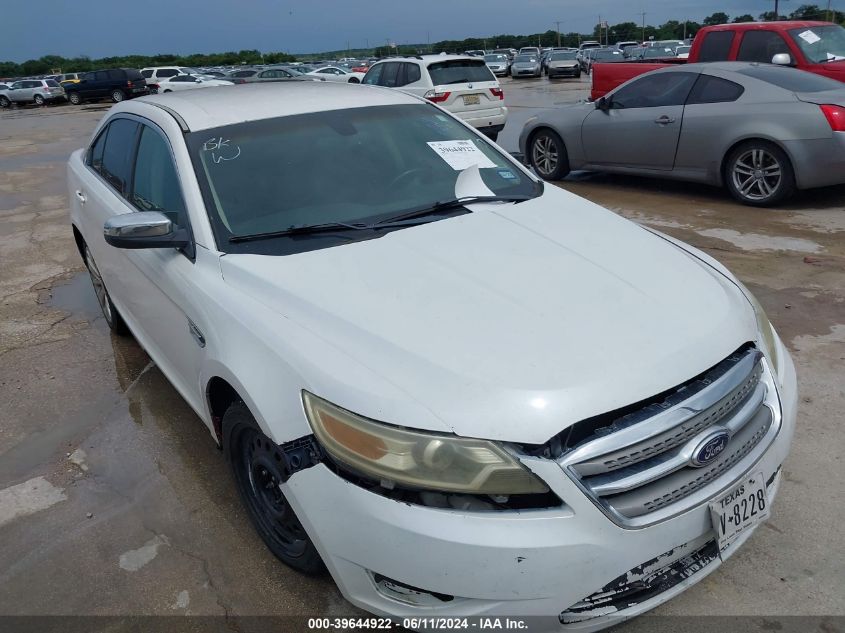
(133,74)
(791,79)
(120,142)
(716,46)
(761,46)
(147,73)
(459,71)
(412,73)
(117,75)
(156,183)
(709,89)
(167,72)
(52,83)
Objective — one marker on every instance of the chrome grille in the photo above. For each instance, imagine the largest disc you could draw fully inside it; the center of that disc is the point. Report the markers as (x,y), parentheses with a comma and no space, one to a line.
(642,470)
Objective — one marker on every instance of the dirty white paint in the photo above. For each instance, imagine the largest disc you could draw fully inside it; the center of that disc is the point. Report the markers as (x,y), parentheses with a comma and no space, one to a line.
(758,242)
(135,559)
(78,457)
(183,599)
(809,343)
(27,498)
(642,218)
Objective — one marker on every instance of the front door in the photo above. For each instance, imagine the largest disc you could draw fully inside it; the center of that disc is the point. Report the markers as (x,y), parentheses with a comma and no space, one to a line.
(641,126)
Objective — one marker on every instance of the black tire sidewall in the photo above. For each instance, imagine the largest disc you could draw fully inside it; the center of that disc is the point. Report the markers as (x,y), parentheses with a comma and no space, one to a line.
(787,184)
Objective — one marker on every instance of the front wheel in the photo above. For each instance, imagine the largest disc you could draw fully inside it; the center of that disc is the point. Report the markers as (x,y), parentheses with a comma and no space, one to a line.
(547,154)
(258,467)
(354,80)
(759,174)
(117,96)
(74,98)
(4,101)
(39,100)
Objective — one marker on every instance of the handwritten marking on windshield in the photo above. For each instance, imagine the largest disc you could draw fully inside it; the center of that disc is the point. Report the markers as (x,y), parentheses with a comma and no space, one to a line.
(221,149)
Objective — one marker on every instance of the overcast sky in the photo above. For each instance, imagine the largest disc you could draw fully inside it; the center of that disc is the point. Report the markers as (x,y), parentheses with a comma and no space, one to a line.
(98,28)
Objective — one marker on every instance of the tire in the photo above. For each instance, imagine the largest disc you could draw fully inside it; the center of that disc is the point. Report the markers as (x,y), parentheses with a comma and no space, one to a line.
(4,101)
(74,98)
(759,174)
(166,91)
(39,100)
(113,319)
(117,96)
(153,91)
(354,80)
(257,466)
(578,75)
(547,154)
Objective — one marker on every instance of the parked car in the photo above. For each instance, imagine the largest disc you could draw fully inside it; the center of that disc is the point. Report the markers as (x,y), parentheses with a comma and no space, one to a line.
(510,52)
(154,75)
(69,78)
(658,52)
(682,52)
(498,63)
(603,56)
(626,44)
(817,47)
(411,385)
(701,122)
(37,91)
(529,50)
(563,64)
(190,82)
(335,73)
(258,75)
(476,53)
(116,84)
(461,84)
(526,65)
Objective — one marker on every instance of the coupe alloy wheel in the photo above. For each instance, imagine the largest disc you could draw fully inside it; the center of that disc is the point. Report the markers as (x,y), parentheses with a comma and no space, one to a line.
(757,174)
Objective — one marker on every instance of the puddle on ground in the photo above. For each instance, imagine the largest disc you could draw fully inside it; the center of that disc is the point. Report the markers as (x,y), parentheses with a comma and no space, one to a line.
(758,242)
(76,297)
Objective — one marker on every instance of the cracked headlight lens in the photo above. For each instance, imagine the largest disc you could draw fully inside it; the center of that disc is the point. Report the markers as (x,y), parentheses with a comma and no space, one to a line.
(417,459)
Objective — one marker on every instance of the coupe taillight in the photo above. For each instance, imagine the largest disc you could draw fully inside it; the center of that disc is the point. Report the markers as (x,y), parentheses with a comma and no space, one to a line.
(437,97)
(835,116)
(498,92)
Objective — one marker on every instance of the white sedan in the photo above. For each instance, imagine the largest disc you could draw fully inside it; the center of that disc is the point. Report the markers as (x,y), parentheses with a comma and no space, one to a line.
(190,82)
(462,391)
(335,73)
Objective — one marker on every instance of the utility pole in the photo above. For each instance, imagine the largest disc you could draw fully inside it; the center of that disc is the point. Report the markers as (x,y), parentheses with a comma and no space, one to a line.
(643,15)
(557,24)
(827,15)
(777,15)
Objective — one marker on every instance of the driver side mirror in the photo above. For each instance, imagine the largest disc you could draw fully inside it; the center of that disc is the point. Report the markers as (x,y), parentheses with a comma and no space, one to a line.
(783,59)
(603,104)
(145,229)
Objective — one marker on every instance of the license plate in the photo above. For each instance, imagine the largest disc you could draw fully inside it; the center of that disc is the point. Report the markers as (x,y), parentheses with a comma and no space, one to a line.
(471,100)
(739,510)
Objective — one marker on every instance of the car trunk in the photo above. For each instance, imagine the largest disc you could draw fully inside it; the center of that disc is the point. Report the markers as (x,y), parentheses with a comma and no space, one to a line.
(465,85)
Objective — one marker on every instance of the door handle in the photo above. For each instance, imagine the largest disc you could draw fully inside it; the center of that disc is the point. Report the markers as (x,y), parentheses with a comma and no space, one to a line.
(81,196)
(664,120)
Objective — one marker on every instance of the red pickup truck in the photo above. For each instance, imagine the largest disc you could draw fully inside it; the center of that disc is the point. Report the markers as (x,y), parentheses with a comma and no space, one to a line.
(817,47)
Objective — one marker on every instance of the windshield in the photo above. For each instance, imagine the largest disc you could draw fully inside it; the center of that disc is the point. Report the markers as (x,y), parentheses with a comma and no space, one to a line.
(495,58)
(658,52)
(606,54)
(459,71)
(354,165)
(525,59)
(559,57)
(683,49)
(821,43)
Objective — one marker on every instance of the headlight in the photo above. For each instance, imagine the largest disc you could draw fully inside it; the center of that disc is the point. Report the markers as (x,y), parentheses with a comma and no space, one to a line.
(415,458)
(768,338)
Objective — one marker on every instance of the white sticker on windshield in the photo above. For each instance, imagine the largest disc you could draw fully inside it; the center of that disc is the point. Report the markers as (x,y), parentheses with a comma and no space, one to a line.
(461,154)
(809,37)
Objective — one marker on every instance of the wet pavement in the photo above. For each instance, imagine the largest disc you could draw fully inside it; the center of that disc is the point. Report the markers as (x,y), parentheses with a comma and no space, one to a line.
(114,499)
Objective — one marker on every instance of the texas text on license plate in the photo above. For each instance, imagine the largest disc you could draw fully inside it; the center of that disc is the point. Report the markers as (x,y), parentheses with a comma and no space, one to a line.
(739,510)
(471,100)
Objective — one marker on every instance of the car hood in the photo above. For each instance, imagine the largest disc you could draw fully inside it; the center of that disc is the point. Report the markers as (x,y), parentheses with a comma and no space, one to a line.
(512,322)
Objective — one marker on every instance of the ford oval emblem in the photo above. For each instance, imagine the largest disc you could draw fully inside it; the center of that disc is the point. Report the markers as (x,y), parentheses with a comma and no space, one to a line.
(710,448)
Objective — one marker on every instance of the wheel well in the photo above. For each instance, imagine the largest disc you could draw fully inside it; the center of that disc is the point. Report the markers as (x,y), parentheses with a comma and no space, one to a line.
(723,167)
(80,242)
(220,395)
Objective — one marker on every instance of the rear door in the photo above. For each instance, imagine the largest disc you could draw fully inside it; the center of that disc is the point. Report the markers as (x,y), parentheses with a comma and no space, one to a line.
(467,87)
(642,125)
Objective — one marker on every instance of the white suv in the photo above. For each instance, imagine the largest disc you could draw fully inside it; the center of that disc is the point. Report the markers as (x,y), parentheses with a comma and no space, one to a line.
(156,74)
(463,85)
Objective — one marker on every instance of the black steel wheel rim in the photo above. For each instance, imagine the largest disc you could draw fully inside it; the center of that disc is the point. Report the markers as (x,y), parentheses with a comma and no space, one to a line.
(259,469)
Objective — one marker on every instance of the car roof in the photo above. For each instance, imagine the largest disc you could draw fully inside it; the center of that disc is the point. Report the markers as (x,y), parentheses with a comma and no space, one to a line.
(785,25)
(227,105)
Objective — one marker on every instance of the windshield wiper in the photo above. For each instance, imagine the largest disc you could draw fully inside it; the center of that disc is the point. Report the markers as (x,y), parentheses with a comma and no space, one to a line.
(831,59)
(328,227)
(449,205)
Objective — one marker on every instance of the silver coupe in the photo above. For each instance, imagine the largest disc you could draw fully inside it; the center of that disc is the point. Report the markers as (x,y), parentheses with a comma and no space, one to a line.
(762,131)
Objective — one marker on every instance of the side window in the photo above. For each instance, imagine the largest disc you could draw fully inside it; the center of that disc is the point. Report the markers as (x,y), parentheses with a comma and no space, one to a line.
(156,183)
(95,153)
(373,75)
(761,46)
(147,73)
(651,91)
(101,75)
(116,75)
(116,156)
(709,89)
(716,46)
(167,72)
(412,73)
(389,76)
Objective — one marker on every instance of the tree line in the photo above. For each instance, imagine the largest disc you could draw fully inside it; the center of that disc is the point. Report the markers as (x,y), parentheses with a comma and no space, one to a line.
(670,30)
